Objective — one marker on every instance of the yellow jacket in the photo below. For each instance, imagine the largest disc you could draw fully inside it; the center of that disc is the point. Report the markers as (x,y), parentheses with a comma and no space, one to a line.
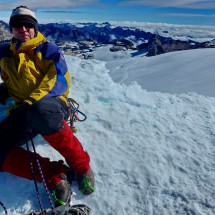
(34,70)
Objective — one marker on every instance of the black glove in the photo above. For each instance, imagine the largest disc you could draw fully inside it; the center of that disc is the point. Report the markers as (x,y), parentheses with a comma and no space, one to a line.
(23,108)
(3,94)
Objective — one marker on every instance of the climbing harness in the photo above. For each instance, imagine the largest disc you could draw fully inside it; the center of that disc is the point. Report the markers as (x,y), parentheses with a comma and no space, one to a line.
(5,209)
(74,114)
(41,174)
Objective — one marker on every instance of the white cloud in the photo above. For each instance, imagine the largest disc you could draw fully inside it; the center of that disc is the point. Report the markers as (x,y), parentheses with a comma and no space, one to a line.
(186,15)
(192,4)
(35,4)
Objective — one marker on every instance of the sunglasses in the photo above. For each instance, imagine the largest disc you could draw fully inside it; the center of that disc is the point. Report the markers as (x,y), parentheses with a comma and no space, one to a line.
(20,25)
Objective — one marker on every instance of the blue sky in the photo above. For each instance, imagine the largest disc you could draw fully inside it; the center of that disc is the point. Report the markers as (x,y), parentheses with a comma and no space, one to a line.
(194,12)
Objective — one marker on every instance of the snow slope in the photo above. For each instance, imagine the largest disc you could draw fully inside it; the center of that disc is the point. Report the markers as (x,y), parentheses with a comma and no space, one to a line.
(176,72)
(152,150)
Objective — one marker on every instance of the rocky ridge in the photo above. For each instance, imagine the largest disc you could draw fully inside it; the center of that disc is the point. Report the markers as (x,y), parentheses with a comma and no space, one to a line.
(82,39)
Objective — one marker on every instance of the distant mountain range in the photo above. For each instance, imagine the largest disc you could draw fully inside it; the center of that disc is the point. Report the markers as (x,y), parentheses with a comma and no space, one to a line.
(84,37)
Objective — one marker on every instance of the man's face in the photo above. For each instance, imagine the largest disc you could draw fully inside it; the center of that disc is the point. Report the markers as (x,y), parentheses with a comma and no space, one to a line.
(23,31)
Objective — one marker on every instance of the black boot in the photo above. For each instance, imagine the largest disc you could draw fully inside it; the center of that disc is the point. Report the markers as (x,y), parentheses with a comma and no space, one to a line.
(62,192)
(86,182)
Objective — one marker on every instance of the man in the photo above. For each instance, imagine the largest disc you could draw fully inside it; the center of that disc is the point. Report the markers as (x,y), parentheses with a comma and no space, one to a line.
(36,77)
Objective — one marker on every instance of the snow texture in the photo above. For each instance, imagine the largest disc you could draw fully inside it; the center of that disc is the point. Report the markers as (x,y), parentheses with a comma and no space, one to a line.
(150,132)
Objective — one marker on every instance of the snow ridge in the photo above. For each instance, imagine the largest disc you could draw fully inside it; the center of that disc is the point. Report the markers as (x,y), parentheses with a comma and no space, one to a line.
(152,152)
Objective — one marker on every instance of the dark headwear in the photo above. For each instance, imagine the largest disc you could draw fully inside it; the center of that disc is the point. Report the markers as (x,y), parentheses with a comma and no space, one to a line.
(23,14)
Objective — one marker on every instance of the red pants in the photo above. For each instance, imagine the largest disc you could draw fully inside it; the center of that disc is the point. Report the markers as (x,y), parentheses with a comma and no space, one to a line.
(17,160)
(46,117)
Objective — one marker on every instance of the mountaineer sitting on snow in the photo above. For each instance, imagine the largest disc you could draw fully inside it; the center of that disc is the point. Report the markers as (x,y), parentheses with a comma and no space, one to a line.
(35,76)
